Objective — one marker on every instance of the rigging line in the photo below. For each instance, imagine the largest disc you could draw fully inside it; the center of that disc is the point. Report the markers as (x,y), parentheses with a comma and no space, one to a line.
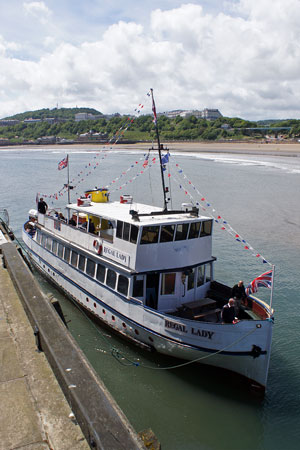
(177,366)
(228,227)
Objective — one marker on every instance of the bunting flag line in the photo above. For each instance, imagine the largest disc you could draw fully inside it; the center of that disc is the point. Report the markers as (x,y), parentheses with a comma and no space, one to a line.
(204,205)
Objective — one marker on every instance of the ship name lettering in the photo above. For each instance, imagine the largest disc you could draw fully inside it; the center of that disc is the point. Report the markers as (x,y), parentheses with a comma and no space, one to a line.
(175,326)
(203,333)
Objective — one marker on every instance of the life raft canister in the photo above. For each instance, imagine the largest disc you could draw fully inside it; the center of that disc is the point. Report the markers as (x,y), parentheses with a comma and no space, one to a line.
(97,244)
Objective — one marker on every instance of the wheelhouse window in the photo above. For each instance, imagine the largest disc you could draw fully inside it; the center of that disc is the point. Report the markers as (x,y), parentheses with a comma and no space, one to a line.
(167,233)
(126,231)
(206,228)
(150,235)
(111,278)
(119,229)
(123,285)
(100,275)
(81,263)
(168,283)
(74,258)
(138,286)
(194,230)
(133,234)
(181,231)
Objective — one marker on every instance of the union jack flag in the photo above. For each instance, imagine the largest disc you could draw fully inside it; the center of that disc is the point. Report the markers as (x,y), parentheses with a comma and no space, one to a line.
(264,280)
(63,163)
(153,108)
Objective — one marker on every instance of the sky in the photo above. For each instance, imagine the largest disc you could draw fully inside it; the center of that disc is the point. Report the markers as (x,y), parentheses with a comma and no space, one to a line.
(239,56)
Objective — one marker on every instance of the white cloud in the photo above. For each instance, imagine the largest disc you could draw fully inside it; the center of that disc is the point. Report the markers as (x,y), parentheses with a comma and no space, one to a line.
(38,10)
(245,62)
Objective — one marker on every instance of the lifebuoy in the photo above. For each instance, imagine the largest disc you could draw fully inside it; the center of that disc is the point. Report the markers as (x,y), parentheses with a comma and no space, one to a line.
(97,246)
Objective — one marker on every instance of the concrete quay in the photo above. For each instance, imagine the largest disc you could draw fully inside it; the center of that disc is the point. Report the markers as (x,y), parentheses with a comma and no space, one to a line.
(50,399)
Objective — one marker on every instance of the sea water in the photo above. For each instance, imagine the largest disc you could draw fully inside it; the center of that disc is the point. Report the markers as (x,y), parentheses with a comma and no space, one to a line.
(190,407)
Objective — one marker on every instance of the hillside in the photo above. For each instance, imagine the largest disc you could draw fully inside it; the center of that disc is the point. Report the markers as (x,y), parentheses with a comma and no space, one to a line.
(57,113)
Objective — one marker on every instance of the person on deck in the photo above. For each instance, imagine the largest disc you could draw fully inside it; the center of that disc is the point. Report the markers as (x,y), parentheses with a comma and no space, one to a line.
(239,294)
(228,312)
(42,206)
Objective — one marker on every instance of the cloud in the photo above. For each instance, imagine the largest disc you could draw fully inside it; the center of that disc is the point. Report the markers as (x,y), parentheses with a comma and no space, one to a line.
(38,10)
(245,61)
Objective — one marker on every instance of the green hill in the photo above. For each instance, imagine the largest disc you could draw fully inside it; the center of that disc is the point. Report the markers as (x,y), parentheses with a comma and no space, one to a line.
(57,113)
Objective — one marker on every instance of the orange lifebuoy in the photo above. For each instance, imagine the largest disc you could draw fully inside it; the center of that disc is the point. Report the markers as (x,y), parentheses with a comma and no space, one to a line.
(97,246)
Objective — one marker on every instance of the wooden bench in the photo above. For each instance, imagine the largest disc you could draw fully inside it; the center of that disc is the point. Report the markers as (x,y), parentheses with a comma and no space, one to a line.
(208,313)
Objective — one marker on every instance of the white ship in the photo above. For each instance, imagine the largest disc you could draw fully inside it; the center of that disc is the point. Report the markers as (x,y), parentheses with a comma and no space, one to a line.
(148,273)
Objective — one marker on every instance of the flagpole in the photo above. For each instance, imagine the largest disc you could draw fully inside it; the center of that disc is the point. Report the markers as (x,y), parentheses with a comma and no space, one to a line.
(68,165)
(272,286)
(159,152)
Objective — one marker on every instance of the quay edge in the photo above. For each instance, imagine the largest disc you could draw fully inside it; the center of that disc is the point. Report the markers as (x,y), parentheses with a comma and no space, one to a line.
(102,422)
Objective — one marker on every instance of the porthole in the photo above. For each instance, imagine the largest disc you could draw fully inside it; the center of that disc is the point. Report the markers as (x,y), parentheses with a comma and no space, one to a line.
(95,305)
(136,331)
(87,299)
(113,318)
(124,325)
(103,311)
(150,339)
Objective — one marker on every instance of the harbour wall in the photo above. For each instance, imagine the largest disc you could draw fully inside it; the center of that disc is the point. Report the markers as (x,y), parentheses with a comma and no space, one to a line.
(102,422)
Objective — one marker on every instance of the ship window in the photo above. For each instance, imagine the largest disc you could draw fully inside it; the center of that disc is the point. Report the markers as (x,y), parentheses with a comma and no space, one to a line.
(90,267)
(111,278)
(38,236)
(67,254)
(126,231)
(81,263)
(206,228)
(44,238)
(138,286)
(100,275)
(122,285)
(168,283)
(74,258)
(191,279)
(119,229)
(54,247)
(200,276)
(194,230)
(167,233)
(49,243)
(150,235)
(181,231)
(134,234)
(60,250)
(207,272)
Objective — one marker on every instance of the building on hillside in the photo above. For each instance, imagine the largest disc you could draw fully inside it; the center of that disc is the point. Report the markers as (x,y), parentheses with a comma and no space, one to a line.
(8,122)
(208,114)
(87,116)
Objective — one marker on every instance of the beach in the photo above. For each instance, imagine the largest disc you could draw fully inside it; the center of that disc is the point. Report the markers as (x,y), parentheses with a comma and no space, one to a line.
(277,148)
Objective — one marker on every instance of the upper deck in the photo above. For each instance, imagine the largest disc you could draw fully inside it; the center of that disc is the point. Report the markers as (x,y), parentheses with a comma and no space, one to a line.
(137,236)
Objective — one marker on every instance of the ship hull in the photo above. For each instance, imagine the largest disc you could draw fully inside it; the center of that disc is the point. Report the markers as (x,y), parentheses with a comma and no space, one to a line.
(243,348)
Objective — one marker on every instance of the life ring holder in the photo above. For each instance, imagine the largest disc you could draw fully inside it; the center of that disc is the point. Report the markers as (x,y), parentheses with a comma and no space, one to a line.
(97,244)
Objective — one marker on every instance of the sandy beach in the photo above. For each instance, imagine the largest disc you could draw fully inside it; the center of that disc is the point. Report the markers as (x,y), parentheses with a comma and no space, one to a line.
(279,148)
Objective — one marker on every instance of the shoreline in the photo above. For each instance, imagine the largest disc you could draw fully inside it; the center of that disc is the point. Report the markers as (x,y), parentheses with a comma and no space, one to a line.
(243,148)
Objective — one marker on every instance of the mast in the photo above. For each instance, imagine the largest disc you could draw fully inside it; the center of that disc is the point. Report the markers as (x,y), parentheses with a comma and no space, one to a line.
(69,201)
(159,152)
